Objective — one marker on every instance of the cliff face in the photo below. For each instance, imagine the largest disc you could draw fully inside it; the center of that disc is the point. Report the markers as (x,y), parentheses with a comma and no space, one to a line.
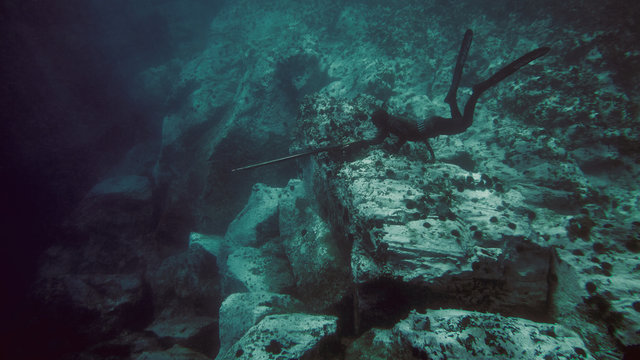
(526,225)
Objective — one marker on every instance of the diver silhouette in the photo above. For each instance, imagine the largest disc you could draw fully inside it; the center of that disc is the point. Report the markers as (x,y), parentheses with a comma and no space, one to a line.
(423,130)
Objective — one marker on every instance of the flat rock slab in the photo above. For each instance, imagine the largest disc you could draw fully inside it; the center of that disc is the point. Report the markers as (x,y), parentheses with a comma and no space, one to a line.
(240,311)
(258,221)
(288,336)
(195,332)
(258,270)
(458,334)
(174,353)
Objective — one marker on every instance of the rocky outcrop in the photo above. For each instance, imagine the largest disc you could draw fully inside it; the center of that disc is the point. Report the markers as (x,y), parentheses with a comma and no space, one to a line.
(319,265)
(198,333)
(458,334)
(239,312)
(432,234)
(176,352)
(121,204)
(291,336)
(524,226)
(261,269)
(186,290)
(189,277)
(257,223)
(84,309)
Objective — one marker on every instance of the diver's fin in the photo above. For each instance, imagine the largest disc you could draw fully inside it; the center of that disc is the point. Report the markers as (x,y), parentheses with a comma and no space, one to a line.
(480,88)
(457,72)
(509,69)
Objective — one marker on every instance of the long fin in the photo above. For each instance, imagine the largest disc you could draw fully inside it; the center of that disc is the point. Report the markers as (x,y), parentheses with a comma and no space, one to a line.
(510,69)
(457,72)
(480,88)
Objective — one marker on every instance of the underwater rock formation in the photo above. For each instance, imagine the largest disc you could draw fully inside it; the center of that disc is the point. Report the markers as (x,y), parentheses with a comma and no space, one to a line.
(241,311)
(458,334)
(289,336)
(524,231)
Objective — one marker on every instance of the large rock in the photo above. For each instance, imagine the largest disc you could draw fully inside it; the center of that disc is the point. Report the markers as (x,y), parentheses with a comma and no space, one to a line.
(186,289)
(257,223)
(214,244)
(265,269)
(239,312)
(442,334)
(289,336)
(195,332)
(318,264)
(458,334)
(187,283)
(88,308)
(427,234)
(176,352)
(116,206)
(438,234)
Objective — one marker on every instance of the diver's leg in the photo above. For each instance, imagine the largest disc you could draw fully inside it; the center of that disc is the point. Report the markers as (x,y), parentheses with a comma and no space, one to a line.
(480,88)
(433,155)
(457,74)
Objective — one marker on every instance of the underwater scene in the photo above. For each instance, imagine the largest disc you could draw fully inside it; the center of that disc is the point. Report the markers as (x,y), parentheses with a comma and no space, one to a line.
(327,179)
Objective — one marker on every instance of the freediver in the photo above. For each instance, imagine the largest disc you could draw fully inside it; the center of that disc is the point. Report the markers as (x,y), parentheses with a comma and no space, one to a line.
(423,130)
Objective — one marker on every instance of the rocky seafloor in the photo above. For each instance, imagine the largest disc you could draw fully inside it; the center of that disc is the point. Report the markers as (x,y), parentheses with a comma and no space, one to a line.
(521,240)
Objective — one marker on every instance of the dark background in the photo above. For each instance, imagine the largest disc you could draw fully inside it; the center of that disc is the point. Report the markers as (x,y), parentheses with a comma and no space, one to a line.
(68,114)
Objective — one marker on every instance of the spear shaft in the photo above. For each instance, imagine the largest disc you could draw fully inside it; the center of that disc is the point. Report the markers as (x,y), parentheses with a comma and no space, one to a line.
(294,156)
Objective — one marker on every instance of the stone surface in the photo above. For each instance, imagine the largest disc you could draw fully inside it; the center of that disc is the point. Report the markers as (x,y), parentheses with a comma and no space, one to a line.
(289,336)
(187,283)
(176,352)
(445,233)
(261,269)
(195,332)
(105,304)
(318,265)
(239,312)
(186,289)
(458,334)
(214,244)
(378,344)
(530,213)
(258,221)
(116,206)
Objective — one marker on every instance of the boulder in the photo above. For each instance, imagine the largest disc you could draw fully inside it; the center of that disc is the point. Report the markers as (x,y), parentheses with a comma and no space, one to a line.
(319,266)
(116,206)
(258,221)
(378,344)
(260,270)
(89,308)
(289,336)
(195,332)
(176,352)
(214,244)
(424,236)
(239,312)
(458,334)
(186,289)
(187,283)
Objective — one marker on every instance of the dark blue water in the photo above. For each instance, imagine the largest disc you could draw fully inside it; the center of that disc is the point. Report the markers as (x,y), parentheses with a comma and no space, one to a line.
(68,115)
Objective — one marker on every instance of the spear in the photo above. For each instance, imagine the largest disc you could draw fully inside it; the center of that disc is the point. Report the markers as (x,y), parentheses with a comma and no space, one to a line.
(305,153)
